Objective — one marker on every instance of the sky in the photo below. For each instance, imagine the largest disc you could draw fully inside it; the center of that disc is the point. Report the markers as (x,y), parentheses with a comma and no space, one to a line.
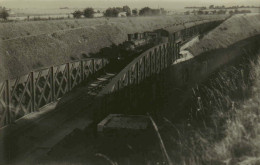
(168,4)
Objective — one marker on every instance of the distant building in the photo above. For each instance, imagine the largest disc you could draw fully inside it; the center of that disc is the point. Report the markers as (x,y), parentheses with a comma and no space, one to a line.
(122,14)
(97,15)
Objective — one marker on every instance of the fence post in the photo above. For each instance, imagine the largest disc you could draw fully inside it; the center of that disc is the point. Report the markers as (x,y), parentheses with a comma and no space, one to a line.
(169,56)
(8,103)
(129,77)
(178,50)
(159,54)
(82,70)
(151,63)
(137,71)
(175,51)
(165,56)
(144,72)
(103,64)
(155,60)
(53,84)
(33,91)
(69,77)
(118,85)
(93,65)
(172,52)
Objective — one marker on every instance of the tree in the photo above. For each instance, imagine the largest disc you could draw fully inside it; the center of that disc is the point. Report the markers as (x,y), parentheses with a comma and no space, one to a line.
(119,9)
(145,11)
(88,12)
(187,12)
(127,10)
(221,12)
(4,13)
(211,6)
(200,12)
(77,14)
(135,12)
(111,12)
(162,11)
(148,11)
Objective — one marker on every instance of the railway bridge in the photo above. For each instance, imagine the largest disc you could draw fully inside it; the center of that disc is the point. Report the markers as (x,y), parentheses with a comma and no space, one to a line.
(42,107)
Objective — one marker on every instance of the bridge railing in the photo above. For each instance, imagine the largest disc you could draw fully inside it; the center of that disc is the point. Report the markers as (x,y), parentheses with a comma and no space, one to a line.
(148,63)
(29,93)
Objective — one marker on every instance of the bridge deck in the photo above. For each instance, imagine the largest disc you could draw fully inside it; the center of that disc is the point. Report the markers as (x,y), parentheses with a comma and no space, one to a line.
(35,134)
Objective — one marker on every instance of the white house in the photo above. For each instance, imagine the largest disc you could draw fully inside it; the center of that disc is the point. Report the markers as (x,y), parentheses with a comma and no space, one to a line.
(96,15)
(122,14)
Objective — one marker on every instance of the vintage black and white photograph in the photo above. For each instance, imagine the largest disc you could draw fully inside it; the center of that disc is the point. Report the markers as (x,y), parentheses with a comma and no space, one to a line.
(129,82)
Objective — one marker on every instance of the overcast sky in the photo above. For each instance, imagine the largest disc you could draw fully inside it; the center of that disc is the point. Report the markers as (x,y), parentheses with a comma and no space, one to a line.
(111,3)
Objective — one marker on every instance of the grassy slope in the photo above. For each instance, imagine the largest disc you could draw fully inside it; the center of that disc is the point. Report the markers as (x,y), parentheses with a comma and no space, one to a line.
(236,28)
(28,46)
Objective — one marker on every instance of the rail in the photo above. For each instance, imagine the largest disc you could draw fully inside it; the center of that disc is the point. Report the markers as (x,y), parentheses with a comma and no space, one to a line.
(29,93)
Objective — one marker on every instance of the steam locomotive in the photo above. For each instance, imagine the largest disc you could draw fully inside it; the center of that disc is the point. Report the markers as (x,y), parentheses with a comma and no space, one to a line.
(139,42)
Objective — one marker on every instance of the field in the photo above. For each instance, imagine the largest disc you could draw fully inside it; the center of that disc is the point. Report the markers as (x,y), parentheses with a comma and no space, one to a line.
(27,46)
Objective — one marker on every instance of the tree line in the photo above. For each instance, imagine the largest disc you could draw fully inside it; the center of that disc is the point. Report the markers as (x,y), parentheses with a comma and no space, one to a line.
(3,13)
(114,11)
(109,12)
(231,12)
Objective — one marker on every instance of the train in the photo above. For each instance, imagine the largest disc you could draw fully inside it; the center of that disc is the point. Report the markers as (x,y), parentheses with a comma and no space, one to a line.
(137,43)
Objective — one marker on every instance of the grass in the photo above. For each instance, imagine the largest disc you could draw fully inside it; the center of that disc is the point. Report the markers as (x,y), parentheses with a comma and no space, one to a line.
(229,32)
(224,123)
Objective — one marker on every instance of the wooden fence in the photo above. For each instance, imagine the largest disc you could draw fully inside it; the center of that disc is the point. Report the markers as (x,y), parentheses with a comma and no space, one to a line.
(26,94)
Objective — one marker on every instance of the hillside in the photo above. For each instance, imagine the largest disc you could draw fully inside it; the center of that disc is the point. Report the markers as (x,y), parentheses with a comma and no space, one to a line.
(27,46)
(234,29)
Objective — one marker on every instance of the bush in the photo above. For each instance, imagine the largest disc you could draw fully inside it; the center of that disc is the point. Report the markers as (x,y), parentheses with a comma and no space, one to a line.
(4,13)
(200,12)
(187,13)
(145,11)
(127,10)
(112,12)
(148,11)
(88,12)
(135,12)
(77,14)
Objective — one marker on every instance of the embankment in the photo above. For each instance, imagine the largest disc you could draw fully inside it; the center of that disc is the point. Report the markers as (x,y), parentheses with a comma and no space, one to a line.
(234,29)
(207,107)
(27,46)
